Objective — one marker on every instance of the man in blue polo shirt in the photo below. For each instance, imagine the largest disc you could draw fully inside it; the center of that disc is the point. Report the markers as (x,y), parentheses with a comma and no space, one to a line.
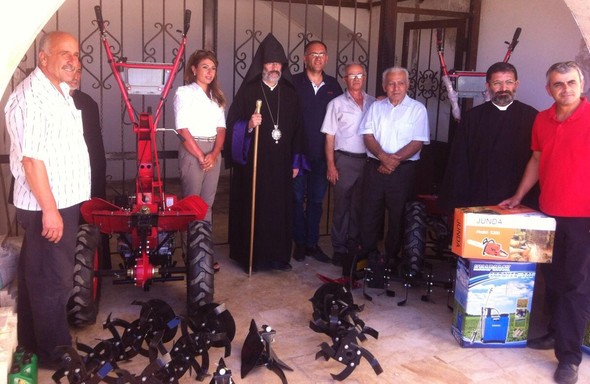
(316,90)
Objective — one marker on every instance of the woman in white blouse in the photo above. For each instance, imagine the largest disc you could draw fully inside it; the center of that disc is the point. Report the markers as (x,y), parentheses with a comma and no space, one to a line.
(200,120)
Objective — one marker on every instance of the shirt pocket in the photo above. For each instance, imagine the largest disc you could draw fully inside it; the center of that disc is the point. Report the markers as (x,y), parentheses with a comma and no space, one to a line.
(351,124)
(404,132)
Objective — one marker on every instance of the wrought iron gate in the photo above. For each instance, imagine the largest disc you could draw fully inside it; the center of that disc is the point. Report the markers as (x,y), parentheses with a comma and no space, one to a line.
(145,30)
(420,57)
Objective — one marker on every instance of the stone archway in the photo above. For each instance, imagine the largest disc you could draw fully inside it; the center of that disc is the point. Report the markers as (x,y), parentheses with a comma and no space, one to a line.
(580,10)
(23,20)
(20,23)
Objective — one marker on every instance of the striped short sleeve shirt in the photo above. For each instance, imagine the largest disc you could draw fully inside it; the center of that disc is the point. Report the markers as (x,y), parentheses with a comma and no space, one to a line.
(45,125)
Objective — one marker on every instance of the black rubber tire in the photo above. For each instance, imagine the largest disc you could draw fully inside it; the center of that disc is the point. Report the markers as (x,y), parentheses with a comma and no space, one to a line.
(437,234)
(414,246)
(199,265)
(83,303)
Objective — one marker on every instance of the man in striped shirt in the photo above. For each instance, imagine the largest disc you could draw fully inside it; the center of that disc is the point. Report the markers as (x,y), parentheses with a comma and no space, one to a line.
(51,167)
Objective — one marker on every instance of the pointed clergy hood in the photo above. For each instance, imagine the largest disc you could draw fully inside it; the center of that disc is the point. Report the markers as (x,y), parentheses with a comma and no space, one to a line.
(269,51)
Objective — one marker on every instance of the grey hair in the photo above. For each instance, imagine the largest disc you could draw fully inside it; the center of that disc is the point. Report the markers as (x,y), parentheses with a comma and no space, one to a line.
(354,63)
(393,70)
(564,67)
(44,42)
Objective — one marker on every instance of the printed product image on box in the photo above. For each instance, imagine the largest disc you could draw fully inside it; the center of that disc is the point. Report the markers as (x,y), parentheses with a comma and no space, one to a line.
(494,233)
(492,303)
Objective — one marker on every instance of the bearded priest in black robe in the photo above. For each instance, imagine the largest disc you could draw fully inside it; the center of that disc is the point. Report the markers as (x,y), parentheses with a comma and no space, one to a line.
(280,149)
(491,147)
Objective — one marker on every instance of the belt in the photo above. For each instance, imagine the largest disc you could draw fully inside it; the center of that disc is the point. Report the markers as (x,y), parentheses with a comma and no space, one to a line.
(209,139)
(352,154)
(378,162)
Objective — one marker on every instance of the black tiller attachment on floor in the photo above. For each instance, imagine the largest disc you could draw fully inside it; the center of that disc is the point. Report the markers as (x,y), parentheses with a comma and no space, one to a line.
(257,351)
(336,315)
(222,375)
(157,325)
(346,351)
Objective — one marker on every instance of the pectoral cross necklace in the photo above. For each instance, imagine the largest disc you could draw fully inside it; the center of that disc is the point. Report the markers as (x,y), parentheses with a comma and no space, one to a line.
(276,132)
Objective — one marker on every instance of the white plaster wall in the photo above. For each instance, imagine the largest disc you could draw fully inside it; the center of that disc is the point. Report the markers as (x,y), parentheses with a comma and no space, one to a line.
(549,34)
(20,22)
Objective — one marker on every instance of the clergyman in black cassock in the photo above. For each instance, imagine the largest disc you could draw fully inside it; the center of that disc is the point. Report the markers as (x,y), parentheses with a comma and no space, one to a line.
(491,148)
(280,149)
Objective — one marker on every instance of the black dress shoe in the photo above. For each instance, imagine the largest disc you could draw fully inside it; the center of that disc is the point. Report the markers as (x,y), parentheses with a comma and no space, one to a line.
(544,342)
(317,253)
(281,266)
(337,258)
(261,266)
(50,365)
(299,252)
(566,373)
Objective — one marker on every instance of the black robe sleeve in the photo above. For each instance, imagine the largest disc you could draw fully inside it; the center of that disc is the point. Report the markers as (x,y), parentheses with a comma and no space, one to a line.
(94,142)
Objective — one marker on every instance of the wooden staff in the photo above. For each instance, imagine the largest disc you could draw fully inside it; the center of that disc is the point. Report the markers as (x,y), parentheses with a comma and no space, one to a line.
(258,106)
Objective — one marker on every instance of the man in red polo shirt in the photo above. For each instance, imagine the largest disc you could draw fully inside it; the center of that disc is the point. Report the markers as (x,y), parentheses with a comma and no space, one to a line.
(561,163)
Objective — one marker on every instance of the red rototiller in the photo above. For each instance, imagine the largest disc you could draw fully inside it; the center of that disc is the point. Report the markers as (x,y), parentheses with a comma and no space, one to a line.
(148,224)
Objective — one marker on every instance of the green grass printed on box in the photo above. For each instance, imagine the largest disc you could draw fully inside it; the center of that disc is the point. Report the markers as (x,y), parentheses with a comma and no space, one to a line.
(517,329)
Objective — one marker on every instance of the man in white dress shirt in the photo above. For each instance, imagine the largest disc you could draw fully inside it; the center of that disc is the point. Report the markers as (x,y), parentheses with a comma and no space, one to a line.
(51,167)
(394,130)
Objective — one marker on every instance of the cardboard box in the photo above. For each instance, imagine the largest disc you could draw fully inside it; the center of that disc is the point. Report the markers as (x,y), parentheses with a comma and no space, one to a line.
(492,303)
(494,233)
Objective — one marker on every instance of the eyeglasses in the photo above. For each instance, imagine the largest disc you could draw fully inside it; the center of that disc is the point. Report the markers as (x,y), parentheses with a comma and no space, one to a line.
(508,83)
(357,76)
(315,55)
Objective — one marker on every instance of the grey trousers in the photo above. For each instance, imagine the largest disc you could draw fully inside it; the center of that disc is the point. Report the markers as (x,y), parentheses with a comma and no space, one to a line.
(194,180)
(347,202)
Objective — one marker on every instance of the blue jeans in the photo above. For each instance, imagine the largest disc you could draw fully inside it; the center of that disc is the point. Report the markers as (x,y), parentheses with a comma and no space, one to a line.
(309,188)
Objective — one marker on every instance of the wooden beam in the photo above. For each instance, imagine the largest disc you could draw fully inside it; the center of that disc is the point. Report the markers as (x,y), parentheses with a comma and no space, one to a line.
(387,34)
(370,4)
(332,3)
(473,33)
(433,12)
(210,25)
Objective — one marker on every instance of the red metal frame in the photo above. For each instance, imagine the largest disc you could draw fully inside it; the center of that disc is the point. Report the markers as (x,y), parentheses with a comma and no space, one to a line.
(152,211)
(148,190)
(456,74)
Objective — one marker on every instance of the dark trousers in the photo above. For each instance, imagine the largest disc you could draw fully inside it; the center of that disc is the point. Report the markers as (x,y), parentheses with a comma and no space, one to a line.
(45,280)
(382,192)
(347,202)
(309,188)
(568,287)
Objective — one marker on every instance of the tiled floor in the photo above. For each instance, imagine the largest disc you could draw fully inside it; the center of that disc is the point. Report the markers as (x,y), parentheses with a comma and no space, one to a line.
(415,344)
